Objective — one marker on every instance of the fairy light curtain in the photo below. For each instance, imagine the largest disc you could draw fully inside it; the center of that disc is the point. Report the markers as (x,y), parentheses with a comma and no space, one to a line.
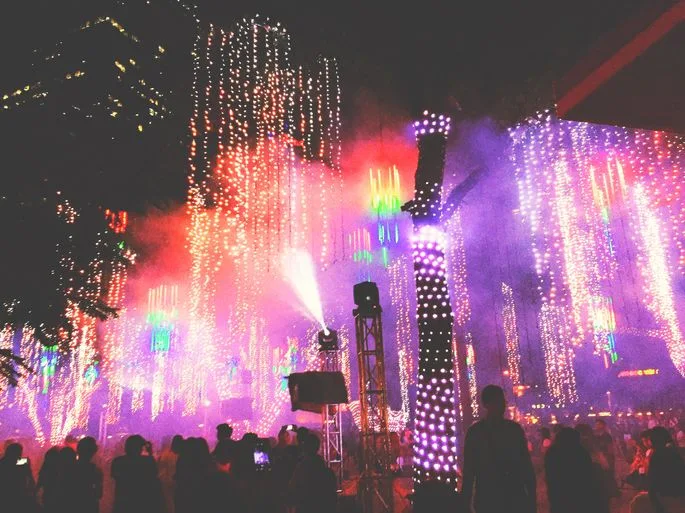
(598,200)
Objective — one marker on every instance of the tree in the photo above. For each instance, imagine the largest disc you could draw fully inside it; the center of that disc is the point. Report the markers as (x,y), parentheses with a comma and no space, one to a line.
(55,259)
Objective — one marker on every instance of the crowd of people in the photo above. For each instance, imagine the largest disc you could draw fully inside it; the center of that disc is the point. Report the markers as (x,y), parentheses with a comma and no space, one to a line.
(507,468)
(247,475)
(582,468)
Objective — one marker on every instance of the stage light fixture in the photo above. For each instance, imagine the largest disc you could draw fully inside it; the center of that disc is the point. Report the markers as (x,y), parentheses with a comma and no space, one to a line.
(367,299)
(328,340)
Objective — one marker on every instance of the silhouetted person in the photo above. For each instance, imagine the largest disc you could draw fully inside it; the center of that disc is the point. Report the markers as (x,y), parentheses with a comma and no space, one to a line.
(285,459)
(604,444)
(193,479)
(66,487)
(497,461)
(223,432)
(600,465)
(637,478)
(571,483)
(436,497)
(88,478)
(302,434)
(137,487)
(555,430)
(313,487)
(224,492)
(167,463)
(48,480)
(665,477)
(243,463)
(17,488)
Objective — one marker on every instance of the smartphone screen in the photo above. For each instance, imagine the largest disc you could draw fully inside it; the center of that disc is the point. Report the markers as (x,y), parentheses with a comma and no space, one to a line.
(22,461)
(261,459)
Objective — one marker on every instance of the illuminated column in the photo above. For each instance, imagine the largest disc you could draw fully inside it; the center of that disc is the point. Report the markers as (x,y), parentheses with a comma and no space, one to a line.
(435,449)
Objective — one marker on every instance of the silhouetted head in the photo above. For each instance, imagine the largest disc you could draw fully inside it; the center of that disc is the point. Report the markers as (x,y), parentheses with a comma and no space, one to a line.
(250,439)
(311,444)
(224,432)
(644,438)
(202,447)
(302,433)
(545,433)
(584,429)
(71,441)
(134,445)
(86,449)
(51,458)
(660,437)
(67,456)
(567,437)
(13,452)
(600,426)
(587,438)
(492,398)
(176,444)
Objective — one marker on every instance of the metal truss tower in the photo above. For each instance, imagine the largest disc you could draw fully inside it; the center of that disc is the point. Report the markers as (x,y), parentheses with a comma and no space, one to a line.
(375,484)
(331,414)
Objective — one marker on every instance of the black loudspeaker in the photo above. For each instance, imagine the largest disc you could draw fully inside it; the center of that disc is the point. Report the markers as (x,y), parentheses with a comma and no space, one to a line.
(239,408)
(366,294)
(309,391)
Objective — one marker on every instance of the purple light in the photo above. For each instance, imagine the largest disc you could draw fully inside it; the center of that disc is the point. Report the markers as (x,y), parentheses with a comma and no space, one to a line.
(428,242)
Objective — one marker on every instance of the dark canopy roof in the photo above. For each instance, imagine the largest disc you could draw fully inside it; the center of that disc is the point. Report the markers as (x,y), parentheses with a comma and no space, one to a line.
(634,77)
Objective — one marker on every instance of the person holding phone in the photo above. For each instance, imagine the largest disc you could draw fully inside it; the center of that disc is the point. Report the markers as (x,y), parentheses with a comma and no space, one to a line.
(17,487)
(261,457)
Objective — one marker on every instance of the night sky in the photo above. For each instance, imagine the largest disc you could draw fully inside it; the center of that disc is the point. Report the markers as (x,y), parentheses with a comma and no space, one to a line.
(405,55)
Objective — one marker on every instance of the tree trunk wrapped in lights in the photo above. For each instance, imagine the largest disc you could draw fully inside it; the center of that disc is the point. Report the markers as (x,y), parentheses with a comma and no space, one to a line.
(436,416)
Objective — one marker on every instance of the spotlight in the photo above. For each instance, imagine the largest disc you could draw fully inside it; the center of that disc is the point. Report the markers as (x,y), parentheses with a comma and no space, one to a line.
(328,340)
(367,299)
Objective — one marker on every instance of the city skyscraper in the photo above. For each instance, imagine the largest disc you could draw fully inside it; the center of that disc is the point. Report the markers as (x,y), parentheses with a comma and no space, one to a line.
(109,99)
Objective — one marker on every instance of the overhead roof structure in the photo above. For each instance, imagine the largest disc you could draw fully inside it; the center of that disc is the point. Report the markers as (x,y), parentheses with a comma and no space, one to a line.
(635,76)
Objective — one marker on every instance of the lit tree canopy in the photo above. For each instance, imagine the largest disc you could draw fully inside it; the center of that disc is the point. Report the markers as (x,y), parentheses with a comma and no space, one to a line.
(55,263)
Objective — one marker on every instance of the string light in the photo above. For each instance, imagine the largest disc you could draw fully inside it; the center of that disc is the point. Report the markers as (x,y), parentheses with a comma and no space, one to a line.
(589,194)
(435,417)
(653,263)
(558,353)
(400,275)
(471,374)
(57,398)
(511,336)
(262,134)
(385,205)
